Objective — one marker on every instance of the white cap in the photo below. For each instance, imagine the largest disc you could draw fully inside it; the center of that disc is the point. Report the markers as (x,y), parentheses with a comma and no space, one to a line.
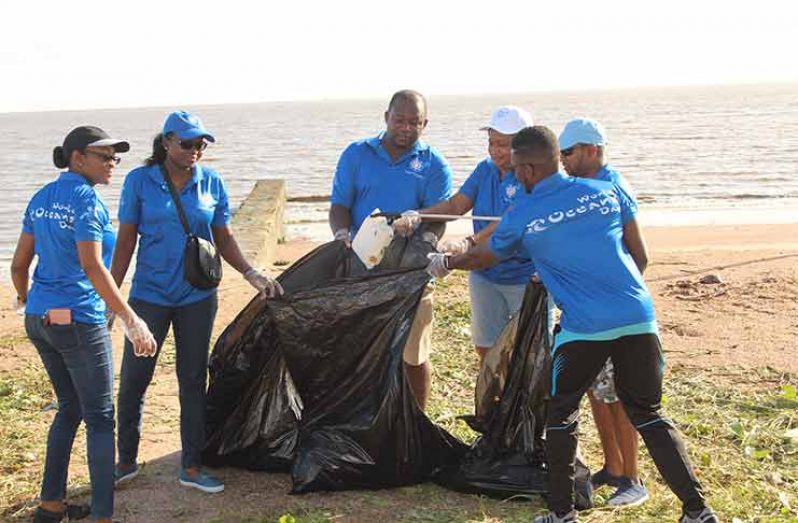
(508,119)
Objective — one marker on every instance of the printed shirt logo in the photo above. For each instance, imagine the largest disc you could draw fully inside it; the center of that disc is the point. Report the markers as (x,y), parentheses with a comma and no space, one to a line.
(416,165)
(510,191)
(604,202)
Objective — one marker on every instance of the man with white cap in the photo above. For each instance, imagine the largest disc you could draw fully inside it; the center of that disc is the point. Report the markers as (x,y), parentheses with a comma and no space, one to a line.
(582,153)
(496,292)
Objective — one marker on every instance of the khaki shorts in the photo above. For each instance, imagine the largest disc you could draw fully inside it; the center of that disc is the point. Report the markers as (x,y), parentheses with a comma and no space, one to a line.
(419,342)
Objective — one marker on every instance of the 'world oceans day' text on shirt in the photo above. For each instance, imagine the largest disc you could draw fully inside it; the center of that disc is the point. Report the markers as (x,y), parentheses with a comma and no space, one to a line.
(59,215)
(572,228)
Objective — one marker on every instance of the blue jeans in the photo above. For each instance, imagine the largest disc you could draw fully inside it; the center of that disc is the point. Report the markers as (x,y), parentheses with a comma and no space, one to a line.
(192,325)
(79,360)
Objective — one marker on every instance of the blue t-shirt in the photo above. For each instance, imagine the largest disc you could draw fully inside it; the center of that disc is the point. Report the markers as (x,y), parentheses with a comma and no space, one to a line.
(367,178)
(58,216)
(492,195)
(608,173)
(572,228)
(147,203)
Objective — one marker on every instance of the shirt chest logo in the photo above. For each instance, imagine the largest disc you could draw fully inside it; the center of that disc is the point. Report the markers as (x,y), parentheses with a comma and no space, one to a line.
(510,191)
(416,165)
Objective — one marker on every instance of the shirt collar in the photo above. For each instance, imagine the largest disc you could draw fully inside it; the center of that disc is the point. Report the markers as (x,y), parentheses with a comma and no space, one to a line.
(156,174)
(550,183)
(375,142)
(69,176)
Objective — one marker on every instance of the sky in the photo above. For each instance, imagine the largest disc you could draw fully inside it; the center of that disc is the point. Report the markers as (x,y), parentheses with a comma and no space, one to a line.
(98,54)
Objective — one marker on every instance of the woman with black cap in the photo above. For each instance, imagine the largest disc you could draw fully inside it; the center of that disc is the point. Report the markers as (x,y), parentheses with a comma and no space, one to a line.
(168,206)
(66,224)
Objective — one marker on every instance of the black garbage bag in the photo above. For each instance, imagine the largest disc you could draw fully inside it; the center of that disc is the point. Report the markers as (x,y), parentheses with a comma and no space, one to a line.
(509,458)
(314,381)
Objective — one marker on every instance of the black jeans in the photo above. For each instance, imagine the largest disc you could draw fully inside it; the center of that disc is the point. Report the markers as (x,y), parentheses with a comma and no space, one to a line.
(638,381)
(192,325)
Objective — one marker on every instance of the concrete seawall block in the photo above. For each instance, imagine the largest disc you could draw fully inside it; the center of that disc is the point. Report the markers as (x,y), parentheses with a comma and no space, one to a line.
(258,222)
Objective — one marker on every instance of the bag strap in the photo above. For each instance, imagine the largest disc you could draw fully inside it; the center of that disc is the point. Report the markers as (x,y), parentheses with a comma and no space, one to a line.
(176,198)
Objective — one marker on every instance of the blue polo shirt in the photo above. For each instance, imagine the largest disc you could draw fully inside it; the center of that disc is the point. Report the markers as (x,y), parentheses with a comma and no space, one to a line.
(492,195)
(367,178)
(608,173)
(58,216)
(572,228)
(147,203)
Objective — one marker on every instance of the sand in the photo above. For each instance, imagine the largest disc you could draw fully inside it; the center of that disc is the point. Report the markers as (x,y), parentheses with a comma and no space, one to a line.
(748,317)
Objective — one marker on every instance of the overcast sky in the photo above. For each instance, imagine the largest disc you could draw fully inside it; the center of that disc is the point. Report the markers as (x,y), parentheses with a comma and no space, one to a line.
(91,54)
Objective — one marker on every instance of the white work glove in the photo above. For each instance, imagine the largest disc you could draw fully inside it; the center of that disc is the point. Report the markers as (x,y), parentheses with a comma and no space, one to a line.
(17,305)
(266,286)
(453,246)
(438,267)
(139,334)
(343,235)
(407,223)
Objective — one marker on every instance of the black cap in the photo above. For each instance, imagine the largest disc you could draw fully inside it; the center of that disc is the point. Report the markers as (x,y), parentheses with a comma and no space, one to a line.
(85,136)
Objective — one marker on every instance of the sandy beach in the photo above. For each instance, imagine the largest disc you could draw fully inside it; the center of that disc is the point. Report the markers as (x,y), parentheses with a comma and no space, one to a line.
(745,316)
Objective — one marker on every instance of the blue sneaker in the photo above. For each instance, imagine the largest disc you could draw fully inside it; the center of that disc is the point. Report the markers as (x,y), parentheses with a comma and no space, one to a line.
(124,474)
(631,493)
(603,477)
(202,481)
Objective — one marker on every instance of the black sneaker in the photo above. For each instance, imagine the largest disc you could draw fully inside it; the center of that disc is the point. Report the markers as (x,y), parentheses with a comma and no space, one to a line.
(705,516)
(552,517)
(603,477)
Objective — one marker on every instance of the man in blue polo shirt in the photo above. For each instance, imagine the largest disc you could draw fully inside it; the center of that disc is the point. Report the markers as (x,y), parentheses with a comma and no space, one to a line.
(496,292)
(580,235)
(582,152)
(394,171)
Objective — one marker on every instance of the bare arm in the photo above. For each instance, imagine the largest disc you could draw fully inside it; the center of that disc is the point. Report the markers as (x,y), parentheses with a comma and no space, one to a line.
(90,256)
(20,265)
(340,218)
(634,241)
(458,204)
(229,249)
(123,251)
(480,257)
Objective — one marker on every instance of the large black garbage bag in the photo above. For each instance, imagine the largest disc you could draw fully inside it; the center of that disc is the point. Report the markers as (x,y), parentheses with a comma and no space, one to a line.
(509,458)
(314,381)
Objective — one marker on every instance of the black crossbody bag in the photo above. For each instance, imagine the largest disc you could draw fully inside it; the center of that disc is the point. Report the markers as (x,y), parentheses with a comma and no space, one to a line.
(202,265)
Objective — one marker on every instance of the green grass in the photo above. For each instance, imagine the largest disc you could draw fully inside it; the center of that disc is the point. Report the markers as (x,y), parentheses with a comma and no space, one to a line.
(739,427)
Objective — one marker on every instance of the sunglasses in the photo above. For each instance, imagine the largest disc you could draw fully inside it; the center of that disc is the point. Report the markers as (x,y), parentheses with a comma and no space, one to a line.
(187,145)
(569,151)
(105,157)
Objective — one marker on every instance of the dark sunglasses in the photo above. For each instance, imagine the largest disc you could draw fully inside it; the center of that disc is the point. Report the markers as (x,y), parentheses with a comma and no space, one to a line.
(187,145)
(105,157)
(569,151)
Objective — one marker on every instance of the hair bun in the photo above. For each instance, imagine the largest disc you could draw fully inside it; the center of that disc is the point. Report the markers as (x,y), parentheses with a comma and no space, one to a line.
(59,157)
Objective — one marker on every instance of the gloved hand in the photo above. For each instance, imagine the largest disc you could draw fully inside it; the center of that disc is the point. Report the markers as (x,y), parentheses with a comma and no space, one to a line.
(408,223)
(343,235)
(139,334)
(453,246)
(17,305)
(438,266)
(266,286)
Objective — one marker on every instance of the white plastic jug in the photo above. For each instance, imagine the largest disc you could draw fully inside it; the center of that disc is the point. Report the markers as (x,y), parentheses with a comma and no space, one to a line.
(372,239)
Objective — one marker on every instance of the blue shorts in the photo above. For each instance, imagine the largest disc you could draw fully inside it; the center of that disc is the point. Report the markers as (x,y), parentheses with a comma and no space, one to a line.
(492,306)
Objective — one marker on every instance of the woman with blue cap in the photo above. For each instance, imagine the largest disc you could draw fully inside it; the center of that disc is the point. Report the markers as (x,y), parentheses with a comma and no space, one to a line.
(175,208)
(66,224)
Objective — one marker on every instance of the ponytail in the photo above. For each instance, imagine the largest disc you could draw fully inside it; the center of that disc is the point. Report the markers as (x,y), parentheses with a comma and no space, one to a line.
(60,157)
(158,155)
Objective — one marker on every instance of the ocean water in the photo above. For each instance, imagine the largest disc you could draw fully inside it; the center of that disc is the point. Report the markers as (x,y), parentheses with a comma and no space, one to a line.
(726,154)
